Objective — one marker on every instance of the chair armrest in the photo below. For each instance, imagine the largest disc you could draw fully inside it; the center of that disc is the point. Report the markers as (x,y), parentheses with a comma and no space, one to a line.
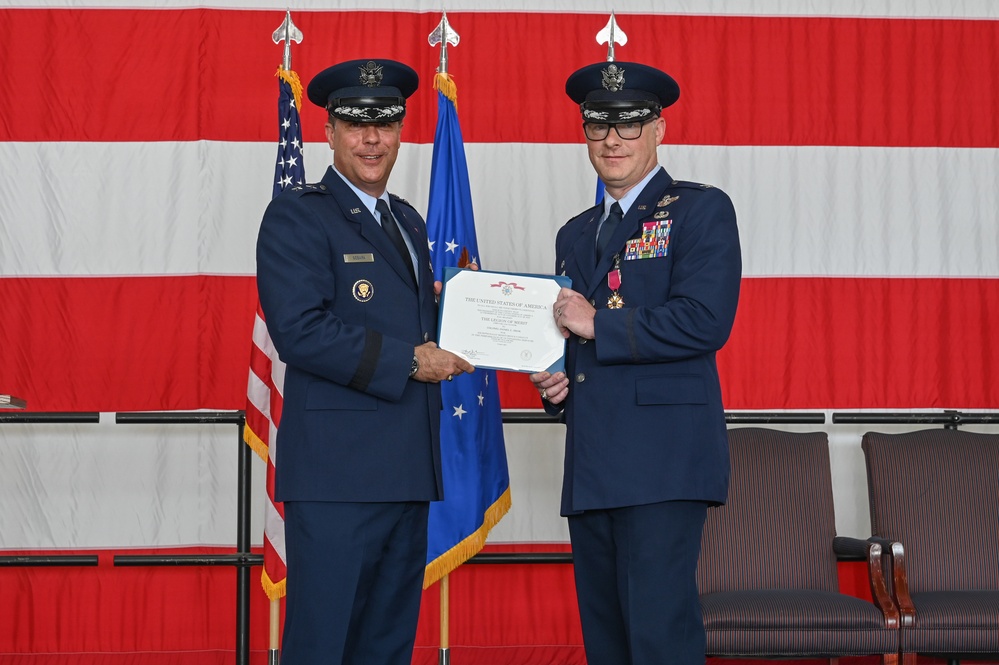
(878,561)
(850,549)
(898,577)
(900,584)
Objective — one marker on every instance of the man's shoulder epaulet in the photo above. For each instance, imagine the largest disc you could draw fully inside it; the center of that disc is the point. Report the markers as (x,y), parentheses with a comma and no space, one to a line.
(686,184)
(307,188)
(401,200)
(598,208)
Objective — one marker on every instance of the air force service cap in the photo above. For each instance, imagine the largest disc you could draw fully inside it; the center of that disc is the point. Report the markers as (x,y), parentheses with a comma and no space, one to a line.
(364,90)
(614,92)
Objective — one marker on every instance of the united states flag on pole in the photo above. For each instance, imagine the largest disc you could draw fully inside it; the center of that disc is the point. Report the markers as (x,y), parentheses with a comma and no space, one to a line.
(264,397)
(473,453)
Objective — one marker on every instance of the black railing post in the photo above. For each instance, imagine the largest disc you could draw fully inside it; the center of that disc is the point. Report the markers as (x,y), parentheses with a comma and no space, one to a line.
(243,548)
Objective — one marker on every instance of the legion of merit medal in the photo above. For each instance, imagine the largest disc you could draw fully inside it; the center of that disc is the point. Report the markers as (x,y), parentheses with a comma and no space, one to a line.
(615,301)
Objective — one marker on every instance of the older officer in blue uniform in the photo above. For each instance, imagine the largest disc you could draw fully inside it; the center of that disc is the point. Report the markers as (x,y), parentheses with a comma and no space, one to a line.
(655,273)
(344,277)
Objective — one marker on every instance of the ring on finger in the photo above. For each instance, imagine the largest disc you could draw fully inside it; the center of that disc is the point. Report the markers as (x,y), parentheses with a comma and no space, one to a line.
(558,312)
(450,377)
(544,393)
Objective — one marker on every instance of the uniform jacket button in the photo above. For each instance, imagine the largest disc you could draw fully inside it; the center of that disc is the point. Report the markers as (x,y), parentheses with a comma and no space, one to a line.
(582,340)
(593,303)
(580,377)
(426,337)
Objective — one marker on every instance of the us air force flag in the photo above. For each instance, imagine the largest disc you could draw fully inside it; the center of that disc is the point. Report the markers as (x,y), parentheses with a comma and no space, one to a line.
(473,454)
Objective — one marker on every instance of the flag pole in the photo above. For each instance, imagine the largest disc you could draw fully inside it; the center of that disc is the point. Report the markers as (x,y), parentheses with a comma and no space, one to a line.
(443,34)
(286,32)
(444,652)
(274,645)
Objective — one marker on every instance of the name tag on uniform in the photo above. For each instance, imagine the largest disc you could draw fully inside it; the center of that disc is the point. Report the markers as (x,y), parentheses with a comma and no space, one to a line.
(358,258)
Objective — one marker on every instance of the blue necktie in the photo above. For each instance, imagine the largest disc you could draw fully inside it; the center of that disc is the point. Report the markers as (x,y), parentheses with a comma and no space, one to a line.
(607,228)
(395,235)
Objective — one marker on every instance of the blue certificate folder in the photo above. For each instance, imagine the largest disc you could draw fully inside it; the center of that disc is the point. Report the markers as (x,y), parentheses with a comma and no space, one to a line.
(510,279)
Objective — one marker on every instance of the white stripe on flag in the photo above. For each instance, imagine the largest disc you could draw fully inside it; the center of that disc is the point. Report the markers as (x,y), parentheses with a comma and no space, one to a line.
(844,210)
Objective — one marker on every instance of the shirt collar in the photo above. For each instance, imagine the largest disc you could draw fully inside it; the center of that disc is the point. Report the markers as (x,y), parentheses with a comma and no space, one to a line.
(367,199)
(632,194)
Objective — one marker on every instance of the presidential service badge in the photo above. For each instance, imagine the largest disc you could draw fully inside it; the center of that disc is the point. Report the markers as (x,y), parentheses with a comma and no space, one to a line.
(363,290)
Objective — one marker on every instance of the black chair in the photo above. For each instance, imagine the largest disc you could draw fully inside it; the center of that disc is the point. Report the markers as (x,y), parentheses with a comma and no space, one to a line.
(768,569)
(936,492)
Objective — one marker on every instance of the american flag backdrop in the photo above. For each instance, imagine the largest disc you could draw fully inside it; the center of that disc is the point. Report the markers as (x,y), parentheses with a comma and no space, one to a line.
(858,139)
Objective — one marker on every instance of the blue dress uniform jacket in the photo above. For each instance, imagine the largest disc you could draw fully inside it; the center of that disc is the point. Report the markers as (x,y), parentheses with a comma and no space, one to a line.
(344,315)
(644,415)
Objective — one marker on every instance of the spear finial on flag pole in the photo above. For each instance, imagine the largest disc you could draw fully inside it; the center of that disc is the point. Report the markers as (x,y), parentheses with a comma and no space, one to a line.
(611,34)
(443,35)
(287,32)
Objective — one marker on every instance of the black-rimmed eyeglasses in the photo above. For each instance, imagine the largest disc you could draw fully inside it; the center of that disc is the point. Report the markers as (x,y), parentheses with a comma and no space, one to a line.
(629,131)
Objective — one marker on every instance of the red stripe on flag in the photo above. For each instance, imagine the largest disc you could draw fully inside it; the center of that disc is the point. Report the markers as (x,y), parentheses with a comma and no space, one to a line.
(798,343)
(260,365)
(745,80)
(806,343)
(257,423)
(127,343)
(863,343)
(277,406)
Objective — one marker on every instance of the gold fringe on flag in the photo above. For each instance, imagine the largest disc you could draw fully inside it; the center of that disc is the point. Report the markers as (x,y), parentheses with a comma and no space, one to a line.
(471,545)
(291,78)
(273,591)
(255,443)
(445,84)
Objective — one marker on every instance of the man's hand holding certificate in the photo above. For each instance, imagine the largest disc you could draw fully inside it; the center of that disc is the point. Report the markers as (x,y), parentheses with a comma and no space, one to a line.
(502,320)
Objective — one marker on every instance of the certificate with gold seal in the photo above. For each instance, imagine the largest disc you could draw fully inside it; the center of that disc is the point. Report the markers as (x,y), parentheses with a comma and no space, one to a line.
(501,320)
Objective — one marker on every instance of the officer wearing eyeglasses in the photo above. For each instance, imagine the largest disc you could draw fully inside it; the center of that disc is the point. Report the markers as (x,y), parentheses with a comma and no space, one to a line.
(655,274)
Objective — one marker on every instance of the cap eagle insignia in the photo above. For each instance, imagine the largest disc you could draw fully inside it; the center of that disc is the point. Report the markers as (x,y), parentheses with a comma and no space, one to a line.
(613,78)
(371,74)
